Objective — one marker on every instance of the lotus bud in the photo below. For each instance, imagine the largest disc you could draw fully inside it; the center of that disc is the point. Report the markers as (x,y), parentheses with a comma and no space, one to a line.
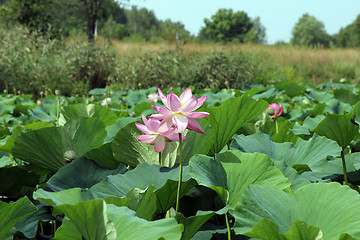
(275,109)
(270,111)
(69,156)
(57,92)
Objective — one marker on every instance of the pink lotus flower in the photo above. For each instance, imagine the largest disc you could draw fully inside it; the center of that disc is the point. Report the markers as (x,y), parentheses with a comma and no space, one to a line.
(178,111)
(275,110)
(157,133)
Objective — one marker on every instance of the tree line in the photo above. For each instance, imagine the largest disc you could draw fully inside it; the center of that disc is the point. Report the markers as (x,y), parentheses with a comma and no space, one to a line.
(117,20)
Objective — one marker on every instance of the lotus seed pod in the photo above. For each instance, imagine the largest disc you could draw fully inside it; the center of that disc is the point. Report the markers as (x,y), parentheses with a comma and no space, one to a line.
(69,156)
(270,111)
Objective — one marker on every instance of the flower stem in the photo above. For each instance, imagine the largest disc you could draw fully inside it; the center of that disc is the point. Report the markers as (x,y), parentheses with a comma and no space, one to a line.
(160,162)
(228,226)
(180,174)
(344,167)
(58,111)
(276,126)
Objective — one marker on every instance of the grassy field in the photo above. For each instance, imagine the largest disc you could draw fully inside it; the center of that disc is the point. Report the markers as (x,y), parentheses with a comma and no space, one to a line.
(312,65)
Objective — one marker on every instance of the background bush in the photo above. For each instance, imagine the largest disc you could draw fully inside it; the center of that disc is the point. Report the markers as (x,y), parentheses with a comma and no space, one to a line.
(32,62)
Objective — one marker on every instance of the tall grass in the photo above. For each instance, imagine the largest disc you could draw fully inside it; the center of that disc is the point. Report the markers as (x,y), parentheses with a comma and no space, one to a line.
(310,65)
(32,63)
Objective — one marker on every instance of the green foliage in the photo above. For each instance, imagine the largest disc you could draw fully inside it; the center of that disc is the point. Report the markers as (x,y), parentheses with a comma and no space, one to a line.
(12,213)
(226,26)
(309,31)
(228,118)
(111,29)
(142,22)
(350,35)
(329,200)
(33,63)
(268,189)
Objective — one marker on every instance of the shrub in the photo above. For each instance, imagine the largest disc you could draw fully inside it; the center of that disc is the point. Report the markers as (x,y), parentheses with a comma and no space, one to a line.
(236,70)
(31,62)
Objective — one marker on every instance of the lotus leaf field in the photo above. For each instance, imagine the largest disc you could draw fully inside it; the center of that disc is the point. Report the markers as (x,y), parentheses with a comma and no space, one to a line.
(75,168)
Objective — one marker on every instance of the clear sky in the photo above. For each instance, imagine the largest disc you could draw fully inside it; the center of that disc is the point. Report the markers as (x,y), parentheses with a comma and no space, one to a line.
(278,16)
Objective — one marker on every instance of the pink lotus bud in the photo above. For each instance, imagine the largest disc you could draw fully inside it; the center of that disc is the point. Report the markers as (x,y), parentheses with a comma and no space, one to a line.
(275,110)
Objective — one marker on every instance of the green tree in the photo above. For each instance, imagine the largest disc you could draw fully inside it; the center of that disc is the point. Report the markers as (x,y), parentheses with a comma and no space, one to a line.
(350,35)
(226,26)
(256,33)
(31,13)
(142,22)
(173,31)
(309,31)
(111,29)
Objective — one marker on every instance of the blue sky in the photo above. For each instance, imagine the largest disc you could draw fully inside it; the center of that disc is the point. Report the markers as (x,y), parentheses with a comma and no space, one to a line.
(278,16)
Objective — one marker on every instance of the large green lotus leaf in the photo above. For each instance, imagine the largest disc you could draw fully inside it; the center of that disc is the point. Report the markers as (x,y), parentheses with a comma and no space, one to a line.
(16,182)
(319,96)
(296,114)
(130,151)
(46,147)
(284,134)
(335,166)
(67,231)
(136,96)
(80,110)
(266,229)
(331,207)
(91,219)
(81,173)
(8,142)
(193,223)
(144,202)
(316,110)
(312,152)
(69,196)
(39,113)
(230,116)
(143,108)
(164,179)
(346,95)
(167,194)
(98,91)
(290,173)
(214,99)
(291,89)
(73,196)
(334,106)
(345,236)
(268,95)
(83,134)
(309,125)
(338,128)
(12,213)
(4,109)
(29,225)
(129,226)
(252,91)
(113,129)
(197,143)
(235,171)
(103,156)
